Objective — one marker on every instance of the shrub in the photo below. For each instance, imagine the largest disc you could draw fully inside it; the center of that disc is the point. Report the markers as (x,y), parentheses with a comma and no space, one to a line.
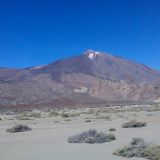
(104,117)
(112,129)
(53,113)
(91,136)
(138,148)
(23,118)
(152,152)
(65,115)
(88,121)
(19,128)
(67,120)
(30,114)
(35,115)
(134,124)
(137,142)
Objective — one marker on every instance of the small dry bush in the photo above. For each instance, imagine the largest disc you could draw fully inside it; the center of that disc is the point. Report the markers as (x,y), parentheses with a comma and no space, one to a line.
(18,128)
(91,136)
(88,121)
(23,118)
(30,114)
(134,124)
(54,114)
(139,148)
(112,129)
(65,115)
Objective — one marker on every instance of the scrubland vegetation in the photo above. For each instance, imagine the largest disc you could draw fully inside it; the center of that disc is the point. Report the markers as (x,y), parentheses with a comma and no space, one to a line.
(19,128)
(91,136)
(139,148)
(134,124)
(71,128)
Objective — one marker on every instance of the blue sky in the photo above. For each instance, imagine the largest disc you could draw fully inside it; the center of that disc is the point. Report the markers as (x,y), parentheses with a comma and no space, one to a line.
(37,32)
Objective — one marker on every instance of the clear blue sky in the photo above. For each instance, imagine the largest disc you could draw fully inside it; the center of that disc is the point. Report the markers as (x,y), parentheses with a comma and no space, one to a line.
(36,32)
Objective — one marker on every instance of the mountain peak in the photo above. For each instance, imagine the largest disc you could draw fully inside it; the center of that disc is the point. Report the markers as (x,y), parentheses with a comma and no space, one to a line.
(91,77)
(92,54)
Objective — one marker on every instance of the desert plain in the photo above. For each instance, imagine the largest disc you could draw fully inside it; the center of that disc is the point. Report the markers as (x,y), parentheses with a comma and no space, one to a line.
(48,139)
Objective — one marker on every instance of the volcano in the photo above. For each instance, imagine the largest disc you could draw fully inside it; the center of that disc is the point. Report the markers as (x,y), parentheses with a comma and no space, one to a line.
(91,77)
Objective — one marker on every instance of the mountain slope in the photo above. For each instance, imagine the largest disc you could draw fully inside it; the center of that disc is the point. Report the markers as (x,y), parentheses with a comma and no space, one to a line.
(103,66)
(88,78)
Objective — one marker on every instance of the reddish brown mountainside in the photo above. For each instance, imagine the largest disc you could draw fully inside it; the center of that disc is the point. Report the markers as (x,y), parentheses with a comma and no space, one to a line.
(88,78)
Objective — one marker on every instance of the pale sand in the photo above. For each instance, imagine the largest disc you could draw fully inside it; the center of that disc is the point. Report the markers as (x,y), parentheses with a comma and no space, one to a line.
(48,140)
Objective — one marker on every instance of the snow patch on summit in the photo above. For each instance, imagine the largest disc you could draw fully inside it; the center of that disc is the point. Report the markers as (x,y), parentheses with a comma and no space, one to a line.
(92,54)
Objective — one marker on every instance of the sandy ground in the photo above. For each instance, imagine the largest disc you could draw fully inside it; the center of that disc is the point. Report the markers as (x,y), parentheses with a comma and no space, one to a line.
(48,138)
